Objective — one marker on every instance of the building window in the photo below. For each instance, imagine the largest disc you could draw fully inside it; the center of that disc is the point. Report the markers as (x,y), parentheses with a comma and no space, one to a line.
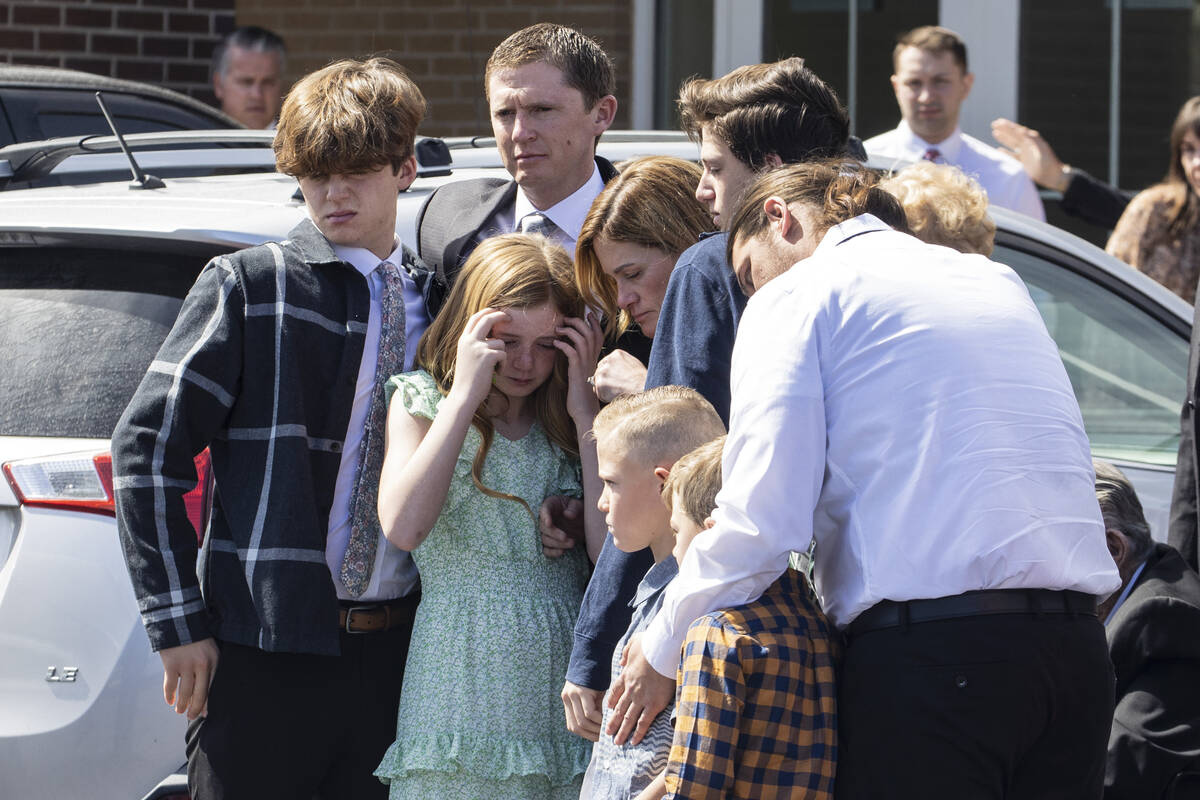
(685,49)
(819,32)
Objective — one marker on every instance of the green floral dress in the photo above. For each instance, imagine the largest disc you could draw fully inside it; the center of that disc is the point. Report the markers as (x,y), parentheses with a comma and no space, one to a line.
(480,714)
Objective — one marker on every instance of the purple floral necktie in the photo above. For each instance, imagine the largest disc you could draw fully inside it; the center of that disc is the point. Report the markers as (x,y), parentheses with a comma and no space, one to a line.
(364,514)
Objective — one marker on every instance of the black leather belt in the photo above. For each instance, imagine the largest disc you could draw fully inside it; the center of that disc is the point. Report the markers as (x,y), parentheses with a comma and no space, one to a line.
(891,614)
(375,617)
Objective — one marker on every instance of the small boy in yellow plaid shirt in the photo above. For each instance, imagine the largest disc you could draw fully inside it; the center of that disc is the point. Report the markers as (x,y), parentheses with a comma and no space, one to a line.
(756,702)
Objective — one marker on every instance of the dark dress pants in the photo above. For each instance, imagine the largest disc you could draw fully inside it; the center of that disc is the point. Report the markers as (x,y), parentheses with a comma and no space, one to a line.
(1003,706)
(294,726)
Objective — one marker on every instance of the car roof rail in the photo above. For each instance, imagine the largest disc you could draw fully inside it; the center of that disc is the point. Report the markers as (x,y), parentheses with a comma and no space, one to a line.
(27,161)
(612,136)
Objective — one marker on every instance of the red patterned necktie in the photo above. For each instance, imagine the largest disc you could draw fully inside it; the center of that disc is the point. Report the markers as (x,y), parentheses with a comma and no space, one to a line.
(933,154)
(364,514)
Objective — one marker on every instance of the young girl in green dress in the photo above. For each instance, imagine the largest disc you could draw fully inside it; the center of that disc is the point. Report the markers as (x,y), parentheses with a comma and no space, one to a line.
(495,421)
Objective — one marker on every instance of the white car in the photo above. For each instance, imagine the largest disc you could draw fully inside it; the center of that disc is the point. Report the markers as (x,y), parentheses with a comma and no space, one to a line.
(91,278)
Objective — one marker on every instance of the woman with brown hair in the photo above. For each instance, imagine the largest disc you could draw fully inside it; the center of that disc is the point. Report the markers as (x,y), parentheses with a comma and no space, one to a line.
(632,237)
(1158,234)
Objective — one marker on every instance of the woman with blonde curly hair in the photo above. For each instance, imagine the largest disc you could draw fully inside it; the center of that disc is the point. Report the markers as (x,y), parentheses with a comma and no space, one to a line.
(944,206)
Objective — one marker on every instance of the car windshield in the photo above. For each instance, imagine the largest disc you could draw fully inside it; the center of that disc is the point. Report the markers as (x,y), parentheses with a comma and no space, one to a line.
(80,326)
(1128,369)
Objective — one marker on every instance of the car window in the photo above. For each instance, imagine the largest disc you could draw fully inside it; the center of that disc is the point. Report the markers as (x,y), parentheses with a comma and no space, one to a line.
(1127,367)
(48,112)
(80,326)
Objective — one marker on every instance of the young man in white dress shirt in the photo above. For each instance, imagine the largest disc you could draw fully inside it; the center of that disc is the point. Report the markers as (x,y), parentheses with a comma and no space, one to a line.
(931,82)
(947,483)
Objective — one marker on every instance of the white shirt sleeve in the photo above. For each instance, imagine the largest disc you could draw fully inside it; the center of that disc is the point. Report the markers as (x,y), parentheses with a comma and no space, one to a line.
(1028,201)
(772,469)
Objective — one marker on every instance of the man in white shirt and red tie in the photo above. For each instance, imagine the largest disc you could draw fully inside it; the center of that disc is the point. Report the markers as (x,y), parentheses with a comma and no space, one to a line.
(931,82)
(946,481)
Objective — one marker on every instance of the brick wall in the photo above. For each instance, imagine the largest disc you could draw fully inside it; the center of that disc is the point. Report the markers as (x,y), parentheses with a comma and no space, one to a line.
(165,42)
(444,44)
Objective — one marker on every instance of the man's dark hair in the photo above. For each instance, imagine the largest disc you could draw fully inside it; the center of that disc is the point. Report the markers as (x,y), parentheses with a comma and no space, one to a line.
(252,38)
(1121,509)
(933,39)
(583,62)
(833,191)
(760,110)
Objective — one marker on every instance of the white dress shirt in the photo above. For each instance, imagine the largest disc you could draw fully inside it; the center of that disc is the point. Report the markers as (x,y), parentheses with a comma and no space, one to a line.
(393,574)
(903,404)
(568,214)
(1001,176)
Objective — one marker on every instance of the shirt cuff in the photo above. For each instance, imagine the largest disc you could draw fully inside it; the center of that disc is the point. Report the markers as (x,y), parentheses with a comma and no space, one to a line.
(585,669)
(661,649)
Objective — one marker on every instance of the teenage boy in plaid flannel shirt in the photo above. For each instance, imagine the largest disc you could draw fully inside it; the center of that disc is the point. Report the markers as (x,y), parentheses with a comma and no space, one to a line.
(289,674)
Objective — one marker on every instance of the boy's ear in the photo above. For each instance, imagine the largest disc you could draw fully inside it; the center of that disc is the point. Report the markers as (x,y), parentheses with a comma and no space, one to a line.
(407,173)
(709,522)
(661,473)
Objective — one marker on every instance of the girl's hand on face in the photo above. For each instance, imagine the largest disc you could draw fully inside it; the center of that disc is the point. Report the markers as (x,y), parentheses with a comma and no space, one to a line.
(583,339)
(478,357)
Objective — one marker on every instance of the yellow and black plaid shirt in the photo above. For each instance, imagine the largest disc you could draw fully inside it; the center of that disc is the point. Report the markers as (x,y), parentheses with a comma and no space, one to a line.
(756,708)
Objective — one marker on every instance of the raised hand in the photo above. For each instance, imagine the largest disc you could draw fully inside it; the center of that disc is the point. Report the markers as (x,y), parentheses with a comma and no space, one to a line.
(1035,154)
(584,340)
(478,357)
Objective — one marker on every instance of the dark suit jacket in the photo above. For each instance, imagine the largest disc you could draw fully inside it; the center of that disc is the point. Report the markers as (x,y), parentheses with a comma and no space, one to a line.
(1183,527)
(451,219)
(1154,643)
(1094,200)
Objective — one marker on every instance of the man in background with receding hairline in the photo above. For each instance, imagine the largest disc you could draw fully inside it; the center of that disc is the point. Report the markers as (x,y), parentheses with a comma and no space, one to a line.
(247,75)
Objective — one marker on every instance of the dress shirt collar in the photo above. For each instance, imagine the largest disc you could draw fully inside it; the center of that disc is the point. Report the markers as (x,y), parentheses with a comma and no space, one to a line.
(950,147)
(863,223)
(656,579)
(1133,579)
(365,261)
(568,214)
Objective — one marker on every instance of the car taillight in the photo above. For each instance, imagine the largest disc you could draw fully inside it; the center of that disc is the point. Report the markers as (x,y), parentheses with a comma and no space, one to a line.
(83,482)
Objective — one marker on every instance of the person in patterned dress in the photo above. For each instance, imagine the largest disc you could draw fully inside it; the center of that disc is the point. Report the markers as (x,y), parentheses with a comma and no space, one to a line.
(494,421)
(1159,233)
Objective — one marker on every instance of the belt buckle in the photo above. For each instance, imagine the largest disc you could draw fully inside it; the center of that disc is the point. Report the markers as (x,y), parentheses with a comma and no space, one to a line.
(350,615)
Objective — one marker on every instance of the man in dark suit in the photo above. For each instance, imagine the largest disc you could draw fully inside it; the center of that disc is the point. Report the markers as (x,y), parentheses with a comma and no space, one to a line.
(1153,630)
(550,94)
(1184,507)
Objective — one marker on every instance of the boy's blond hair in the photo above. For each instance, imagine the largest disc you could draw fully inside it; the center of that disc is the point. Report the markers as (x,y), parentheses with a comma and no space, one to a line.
(351,116)
(695,480)
(659,425)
